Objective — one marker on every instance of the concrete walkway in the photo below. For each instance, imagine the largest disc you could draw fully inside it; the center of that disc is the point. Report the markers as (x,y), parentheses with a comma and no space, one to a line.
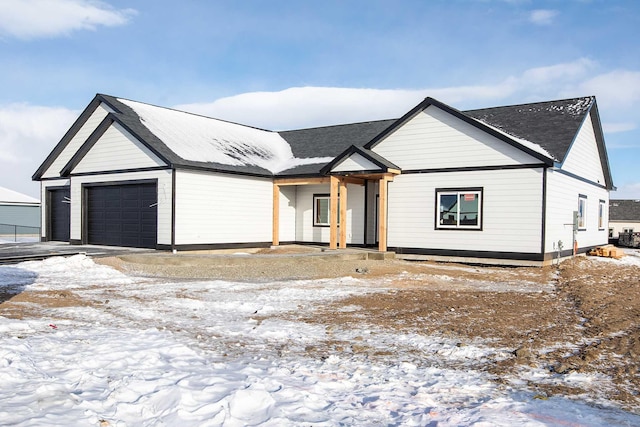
(11,253)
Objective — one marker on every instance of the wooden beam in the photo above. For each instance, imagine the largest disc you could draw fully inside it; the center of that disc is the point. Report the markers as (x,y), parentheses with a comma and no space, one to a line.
(343,214)
(352,180)
(276,215)
(333,213)
(301,181)
(382,213)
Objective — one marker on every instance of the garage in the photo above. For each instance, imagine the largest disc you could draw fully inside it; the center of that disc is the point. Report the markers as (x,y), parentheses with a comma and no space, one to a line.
(122,215)
(59,214)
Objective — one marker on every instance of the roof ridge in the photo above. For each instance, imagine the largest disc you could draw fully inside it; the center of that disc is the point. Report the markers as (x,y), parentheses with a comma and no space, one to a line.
(339,125)
(592,97)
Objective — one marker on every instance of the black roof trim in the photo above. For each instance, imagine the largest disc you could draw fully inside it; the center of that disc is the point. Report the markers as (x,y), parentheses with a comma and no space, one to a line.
(427,102)
(602,150)
(68,136)
(375,158)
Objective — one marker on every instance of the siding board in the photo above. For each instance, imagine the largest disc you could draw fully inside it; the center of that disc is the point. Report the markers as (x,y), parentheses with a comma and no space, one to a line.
(435,139)
(213,208)
(76,142)
(507,224)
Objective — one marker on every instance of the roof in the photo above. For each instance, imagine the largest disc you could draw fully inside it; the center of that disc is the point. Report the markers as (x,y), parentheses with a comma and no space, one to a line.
(329,141)
(544,130)
(551,125)
(624,210)
(13,197)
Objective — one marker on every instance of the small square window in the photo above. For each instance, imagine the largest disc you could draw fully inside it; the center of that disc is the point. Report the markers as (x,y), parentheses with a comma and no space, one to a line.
(459,208)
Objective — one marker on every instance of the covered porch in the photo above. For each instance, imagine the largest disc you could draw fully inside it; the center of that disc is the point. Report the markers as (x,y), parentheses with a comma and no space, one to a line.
(338,198)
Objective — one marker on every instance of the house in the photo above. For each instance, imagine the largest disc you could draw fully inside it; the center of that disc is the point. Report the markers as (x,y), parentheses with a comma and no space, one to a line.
(490,185)
(624,217)
(19,215)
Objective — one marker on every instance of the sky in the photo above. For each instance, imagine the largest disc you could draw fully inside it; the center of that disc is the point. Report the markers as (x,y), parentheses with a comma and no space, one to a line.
(284,65)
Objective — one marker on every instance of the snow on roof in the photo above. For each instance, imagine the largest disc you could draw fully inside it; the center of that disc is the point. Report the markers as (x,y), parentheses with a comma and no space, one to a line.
(10,196)
(204,139)
(530,145)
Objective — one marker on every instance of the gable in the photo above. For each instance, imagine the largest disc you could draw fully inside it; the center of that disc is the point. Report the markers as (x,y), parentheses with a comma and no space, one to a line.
(435,139)
(75,141)
(116,149)
(355,163)
(583,158)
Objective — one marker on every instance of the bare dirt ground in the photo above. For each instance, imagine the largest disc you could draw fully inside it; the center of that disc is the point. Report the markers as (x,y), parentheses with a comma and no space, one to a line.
(580,317)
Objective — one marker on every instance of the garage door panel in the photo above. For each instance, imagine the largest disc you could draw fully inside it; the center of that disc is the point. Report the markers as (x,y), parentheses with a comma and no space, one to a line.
(122,215)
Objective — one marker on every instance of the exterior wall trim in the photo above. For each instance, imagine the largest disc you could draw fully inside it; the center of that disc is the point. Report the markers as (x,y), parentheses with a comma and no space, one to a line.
(474,168)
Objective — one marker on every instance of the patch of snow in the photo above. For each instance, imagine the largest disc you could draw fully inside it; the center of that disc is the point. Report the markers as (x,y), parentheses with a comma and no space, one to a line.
(13,197)
(204,139)
(196,353)
(530,145)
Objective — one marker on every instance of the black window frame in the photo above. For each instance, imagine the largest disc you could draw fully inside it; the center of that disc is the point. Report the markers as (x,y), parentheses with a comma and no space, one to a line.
(459,191)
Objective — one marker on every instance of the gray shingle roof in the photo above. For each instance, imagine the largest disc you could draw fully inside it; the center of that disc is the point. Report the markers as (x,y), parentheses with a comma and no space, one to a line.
(551,124)
(624,210)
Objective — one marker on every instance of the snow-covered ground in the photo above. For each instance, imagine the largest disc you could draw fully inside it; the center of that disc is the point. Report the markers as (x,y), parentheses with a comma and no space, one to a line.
(150,352)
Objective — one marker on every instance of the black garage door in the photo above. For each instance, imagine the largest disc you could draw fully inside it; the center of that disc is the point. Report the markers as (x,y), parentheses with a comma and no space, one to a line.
(122,215)
(59,214)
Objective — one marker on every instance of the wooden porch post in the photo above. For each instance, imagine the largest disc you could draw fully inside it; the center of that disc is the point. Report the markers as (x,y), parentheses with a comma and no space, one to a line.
(276,215)
(343,214)
(333,213)
(382,214)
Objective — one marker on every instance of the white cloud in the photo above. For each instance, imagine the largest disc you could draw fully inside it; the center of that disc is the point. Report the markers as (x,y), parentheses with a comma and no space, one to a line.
(27,19)
(300,107)
(618,127)
(618,88)
(542,16)
(565,71)
(27,135)
(309,106)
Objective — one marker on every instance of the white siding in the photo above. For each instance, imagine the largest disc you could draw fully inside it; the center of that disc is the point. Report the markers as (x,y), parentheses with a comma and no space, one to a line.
(512,211)
(583,158)
(355,162)
(77,141)
(562,200)
(306,232)
(436,139)
(44,185)
(218,208)
(164,199)
(117,150)
(288,196)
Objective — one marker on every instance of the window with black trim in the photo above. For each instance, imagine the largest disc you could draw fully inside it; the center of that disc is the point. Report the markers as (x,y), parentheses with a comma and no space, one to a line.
(459,208)
(582,212)
(601,211)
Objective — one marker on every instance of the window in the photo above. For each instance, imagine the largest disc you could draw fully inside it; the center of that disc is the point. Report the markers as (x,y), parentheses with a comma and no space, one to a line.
(582,212)
(627,230)
(321,204)
(601,211)
(459,208)
(611,233)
